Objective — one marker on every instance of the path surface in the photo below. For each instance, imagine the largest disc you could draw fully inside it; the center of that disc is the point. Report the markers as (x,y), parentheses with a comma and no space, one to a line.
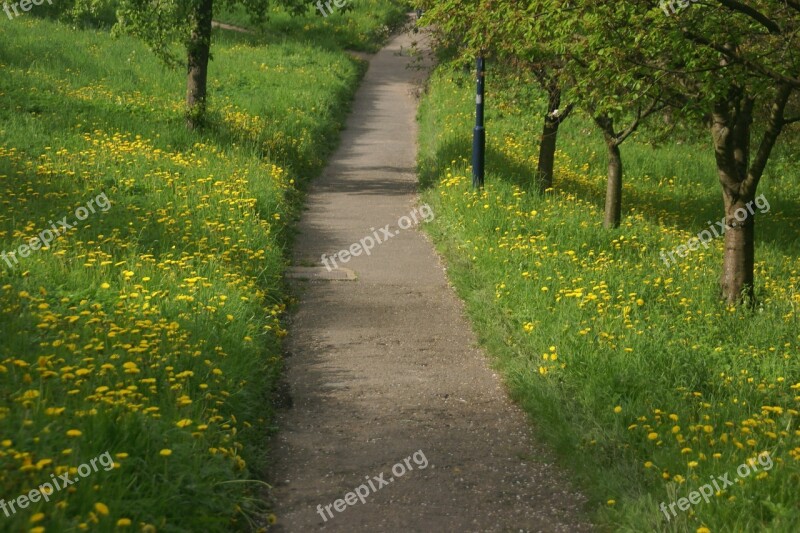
(385,366)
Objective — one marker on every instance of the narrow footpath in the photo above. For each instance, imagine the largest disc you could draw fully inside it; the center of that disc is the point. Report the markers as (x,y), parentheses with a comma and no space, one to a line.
(391,397)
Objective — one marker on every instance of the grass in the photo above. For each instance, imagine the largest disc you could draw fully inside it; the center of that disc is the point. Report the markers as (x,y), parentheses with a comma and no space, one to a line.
(360,25)
(644,383)
(152,329)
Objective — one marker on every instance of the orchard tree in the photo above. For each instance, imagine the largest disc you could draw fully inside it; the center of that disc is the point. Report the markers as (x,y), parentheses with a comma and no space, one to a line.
(614,138)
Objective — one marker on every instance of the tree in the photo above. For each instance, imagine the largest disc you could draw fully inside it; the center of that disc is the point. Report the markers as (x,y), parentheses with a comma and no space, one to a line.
(613,206)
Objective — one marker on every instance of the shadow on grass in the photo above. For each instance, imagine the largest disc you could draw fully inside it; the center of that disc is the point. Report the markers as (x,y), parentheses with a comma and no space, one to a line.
(693,212)
(498,165)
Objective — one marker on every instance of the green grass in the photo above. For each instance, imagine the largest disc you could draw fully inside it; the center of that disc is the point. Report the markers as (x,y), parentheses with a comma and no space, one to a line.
(640,379)
(361,25)
(152,329)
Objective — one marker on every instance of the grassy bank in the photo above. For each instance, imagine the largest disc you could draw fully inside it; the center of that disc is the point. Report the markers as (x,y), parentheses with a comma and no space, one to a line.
(642,381)
(151,326)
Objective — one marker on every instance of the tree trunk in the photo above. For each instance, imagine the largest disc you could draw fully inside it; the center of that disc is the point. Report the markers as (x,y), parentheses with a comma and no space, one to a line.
(739,258)
(198,53)
(547,144)
(613,213)
(730,130)
(547,154)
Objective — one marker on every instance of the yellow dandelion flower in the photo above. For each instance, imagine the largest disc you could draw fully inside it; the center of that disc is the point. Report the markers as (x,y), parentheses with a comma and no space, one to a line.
(166,452)
(101,508)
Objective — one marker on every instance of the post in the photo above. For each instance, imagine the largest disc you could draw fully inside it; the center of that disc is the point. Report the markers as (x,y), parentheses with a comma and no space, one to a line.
(479,133)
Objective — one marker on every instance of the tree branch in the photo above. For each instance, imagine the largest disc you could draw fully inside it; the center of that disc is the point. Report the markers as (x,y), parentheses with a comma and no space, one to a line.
(762,19)
(640,115)
(732,54)
(563,116)
(773,130)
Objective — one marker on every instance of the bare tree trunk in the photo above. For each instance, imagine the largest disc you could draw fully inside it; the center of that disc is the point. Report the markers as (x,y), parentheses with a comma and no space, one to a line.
(198,53)
(613,211)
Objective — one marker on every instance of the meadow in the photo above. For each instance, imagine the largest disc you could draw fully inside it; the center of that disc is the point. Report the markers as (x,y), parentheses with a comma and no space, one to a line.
(644,383)
(152,330)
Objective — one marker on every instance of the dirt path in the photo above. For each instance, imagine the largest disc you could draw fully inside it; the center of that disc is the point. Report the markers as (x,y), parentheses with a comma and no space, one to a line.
(390,393)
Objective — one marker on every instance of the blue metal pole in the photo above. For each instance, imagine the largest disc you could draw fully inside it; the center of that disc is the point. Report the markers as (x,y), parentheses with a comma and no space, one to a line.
(479,133)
